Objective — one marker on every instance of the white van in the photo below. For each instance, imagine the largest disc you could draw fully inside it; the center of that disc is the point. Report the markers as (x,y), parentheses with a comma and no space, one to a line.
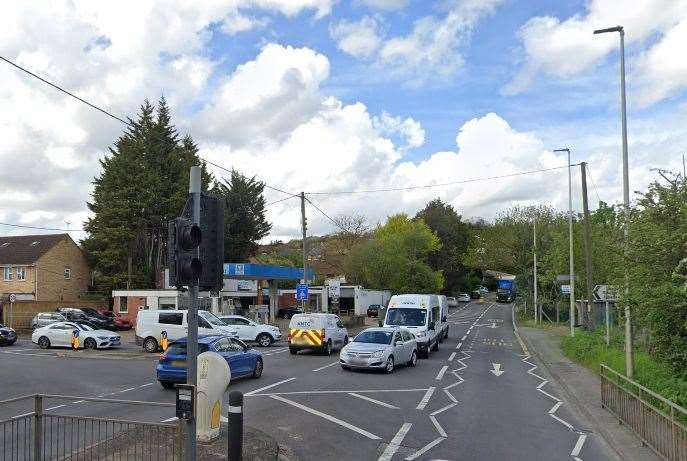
(421,314)
(443,311)
(151,323)
(322,332)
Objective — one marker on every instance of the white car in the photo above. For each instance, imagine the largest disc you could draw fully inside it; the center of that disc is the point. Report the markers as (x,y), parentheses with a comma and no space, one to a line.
(463,298)
(60,335)
(452,302)
(380,348)
(249,330)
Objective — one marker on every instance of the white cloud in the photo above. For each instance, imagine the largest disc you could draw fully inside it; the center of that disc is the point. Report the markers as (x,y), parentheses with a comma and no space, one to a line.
(385,5)
(359,39)
(410,130)
(567,48)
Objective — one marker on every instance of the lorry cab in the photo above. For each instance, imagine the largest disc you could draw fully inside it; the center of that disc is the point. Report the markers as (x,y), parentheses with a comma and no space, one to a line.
(421,314)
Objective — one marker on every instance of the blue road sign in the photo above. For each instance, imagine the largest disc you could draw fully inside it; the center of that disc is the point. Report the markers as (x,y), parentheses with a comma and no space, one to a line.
(301,292)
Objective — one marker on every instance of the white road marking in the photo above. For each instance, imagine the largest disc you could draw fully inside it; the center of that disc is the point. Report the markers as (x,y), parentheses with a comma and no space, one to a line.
(437,426)
(22,415)
(555,407)
(369,399)
(578,445)
(450,396)
(269,387)
(463,338)
(395,443)
(24,353)
(169,420)
(441,410)
(425,399)
(459,345)
(440,375)
(326,366)
(55,407)
(146,385)
(330,418)
(426,448)
(358,391)
(451,357)
(497,371)
(127,390)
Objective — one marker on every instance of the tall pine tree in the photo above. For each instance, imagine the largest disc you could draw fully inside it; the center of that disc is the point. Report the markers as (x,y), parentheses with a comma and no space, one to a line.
(143,185)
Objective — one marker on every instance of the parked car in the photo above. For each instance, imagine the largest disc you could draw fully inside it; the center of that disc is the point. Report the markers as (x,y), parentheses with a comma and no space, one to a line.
(74,314)
(249,330)
(373,310)
(60,335)
(288,312)
(476,294)
(463,298)
(120,323)
(43,319)
(7,335)
(150,325)
(321,332)
(243,361)
(483,289)
(381,349)
(452,302)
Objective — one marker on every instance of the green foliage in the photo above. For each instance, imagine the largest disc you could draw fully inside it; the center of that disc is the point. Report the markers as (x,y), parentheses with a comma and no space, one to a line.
(394,258)
(143,184)
(244,216)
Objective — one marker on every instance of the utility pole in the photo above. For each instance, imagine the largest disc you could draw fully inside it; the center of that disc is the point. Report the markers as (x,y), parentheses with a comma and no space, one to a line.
(536,308)
(684,169)
(192,318)
(305,252)
(128,272)
(570,232)
(587,247)
(629,352)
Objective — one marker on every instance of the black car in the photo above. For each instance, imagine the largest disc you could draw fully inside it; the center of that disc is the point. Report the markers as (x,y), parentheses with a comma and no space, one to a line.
(475,294)
(7,335)
(106,322)
(77,315)
(373,310)
(288,312)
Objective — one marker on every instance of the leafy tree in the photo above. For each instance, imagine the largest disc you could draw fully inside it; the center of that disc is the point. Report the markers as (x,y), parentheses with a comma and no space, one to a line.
(244,216)
(143,184)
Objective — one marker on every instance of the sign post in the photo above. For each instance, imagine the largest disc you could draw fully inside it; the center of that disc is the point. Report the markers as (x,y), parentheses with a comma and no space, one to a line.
(13,298)
(302,292)
(607,294)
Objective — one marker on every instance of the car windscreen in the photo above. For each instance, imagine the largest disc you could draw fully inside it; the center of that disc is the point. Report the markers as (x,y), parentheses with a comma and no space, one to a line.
(180,349)
(374,337)
(406,317)
(211,318)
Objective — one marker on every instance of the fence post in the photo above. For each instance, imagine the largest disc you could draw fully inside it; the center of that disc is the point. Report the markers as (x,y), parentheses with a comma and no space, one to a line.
(235,426)
(38,428)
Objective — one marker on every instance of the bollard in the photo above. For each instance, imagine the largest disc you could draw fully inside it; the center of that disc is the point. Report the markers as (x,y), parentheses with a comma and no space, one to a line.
(75,339)
(164,342)
(235,426)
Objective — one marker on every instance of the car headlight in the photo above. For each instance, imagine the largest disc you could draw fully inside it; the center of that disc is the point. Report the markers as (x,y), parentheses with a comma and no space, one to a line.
(421,334)
(377,354)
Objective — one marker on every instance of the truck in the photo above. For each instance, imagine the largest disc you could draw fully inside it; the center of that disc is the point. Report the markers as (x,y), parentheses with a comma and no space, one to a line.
(505,290)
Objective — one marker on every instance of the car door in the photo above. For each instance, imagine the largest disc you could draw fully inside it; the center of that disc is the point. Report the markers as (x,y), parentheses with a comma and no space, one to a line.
(340,330)
(409,343)
(244,329)
(399,348)
(61,334)
(172,322)
(233,352)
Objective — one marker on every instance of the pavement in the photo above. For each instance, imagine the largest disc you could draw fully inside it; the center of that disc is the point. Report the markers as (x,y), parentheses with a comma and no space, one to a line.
(582,389)
(478,397)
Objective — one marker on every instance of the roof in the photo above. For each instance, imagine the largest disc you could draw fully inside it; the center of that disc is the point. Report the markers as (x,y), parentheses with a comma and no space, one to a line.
(27,249)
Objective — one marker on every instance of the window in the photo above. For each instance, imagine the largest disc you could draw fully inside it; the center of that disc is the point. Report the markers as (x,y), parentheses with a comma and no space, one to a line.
(223,345)
(171,318)
(406,335)
(339,324)
(240,321)
(202,323)
(397,337)
(6,244)
(7,273)
(238,346)
(67,273)
(21,273)
(123,304)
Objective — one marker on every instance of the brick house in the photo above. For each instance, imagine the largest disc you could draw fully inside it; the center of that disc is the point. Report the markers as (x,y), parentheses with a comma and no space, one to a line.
(42,268)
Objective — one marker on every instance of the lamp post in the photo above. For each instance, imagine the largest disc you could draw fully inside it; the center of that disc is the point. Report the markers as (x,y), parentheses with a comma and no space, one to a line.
(629,359)
(570,231)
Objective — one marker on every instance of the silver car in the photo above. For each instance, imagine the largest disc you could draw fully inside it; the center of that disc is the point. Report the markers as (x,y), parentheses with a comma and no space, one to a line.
(43,319)
(380,349)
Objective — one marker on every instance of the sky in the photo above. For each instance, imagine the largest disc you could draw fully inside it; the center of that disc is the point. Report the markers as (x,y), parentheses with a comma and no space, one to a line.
(335,96)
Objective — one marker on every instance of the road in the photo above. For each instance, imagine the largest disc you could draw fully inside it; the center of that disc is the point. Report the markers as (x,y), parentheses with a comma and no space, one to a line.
(478,397)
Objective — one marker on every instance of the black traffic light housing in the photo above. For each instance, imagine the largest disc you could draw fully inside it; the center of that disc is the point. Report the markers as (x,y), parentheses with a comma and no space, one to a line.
(184,238)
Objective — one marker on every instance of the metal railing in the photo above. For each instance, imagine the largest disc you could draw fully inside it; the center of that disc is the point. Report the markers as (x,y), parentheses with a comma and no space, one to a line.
(41,435)
(657,421)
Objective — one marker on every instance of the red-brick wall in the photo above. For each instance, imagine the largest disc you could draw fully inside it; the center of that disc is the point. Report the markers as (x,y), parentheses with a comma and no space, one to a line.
(134,304)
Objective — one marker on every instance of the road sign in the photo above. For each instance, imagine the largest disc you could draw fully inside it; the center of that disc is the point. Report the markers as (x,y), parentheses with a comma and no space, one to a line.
(335,288)
(565,289)
(13,297)
(605,293)
(301,292)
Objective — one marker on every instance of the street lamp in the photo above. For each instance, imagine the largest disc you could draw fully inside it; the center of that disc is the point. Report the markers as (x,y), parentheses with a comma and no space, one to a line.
(629,360)
(570,231)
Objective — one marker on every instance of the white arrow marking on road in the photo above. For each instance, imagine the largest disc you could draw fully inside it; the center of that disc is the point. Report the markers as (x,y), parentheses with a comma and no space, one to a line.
(497,369)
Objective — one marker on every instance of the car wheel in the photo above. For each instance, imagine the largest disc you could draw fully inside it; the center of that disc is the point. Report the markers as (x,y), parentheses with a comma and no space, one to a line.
(389,365)
(43,342)
(150,345)
(345,340)
(436,346)
(446,335)
(90,343)
(293,350)
(264,340)
(257,371)
(413,359)
(327,349)
(167,384)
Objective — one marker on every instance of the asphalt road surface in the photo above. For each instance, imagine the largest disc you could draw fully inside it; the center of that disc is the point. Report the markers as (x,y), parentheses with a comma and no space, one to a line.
(479,397)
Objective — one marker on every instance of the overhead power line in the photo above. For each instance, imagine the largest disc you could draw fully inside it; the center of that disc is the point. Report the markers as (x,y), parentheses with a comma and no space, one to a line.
(40,228)
(265,184)
(430,186)
(280,200)
(591,176)
(325,214)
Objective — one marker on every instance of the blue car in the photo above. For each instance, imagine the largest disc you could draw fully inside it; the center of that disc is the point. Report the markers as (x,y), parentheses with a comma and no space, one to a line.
(243,361)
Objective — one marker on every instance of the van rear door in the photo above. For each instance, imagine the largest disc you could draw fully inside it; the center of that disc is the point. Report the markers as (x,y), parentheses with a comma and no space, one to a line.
(306,330)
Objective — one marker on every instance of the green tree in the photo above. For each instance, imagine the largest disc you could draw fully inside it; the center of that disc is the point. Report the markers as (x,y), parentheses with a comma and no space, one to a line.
(244,216)
(143,184)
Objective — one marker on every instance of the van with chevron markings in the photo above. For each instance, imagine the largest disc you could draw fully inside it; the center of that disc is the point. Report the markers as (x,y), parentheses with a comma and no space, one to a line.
(316,332)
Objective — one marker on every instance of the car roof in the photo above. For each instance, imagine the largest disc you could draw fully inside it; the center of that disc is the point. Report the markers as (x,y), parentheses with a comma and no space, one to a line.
(204,339)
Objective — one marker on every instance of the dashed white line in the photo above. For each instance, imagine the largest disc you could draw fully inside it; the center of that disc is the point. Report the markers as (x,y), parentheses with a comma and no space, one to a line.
(459,345)
(326,366)
(358,391)
(126,390)
(578,445)
(440,375)
(426,448)
(377,402)
(330,418)
(395,443)
(269,387)
(463,338)
(451,357)
(55,407)
(146,385)
(437,426)
(425,399)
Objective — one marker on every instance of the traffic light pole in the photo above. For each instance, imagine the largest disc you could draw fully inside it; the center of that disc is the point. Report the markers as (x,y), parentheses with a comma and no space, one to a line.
(305,251)
(192,320)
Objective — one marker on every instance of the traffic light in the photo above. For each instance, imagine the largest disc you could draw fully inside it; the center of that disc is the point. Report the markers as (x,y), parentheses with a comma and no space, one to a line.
(211,248)
(184,238)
